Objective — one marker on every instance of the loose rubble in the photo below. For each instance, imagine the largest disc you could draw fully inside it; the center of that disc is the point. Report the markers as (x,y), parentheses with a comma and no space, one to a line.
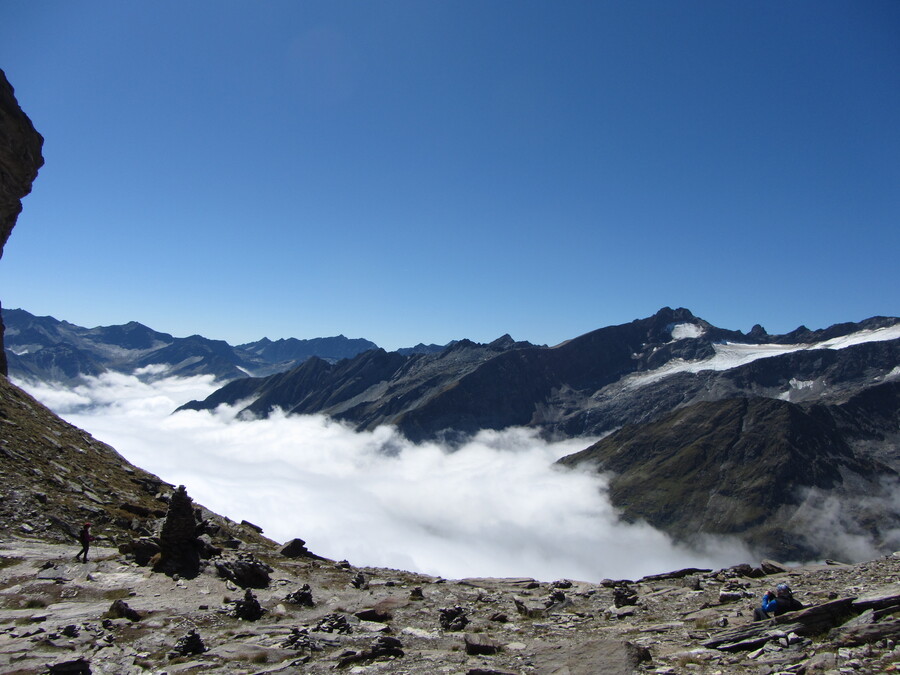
(114,615)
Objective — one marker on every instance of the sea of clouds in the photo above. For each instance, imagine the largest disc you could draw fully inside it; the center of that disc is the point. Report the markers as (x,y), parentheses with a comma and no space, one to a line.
(494,507)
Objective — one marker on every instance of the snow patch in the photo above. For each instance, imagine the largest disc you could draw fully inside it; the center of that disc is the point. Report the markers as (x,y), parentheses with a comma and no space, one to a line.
(682,331)
(734,354)
(152,370)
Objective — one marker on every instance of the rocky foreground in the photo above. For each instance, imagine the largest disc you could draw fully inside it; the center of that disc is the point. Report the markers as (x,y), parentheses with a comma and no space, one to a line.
(255,609)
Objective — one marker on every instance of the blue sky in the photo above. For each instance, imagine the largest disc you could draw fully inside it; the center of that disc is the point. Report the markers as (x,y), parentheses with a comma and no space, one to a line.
(426,171)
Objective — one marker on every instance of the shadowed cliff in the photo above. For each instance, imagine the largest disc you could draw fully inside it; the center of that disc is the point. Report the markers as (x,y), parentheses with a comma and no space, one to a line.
(20,159)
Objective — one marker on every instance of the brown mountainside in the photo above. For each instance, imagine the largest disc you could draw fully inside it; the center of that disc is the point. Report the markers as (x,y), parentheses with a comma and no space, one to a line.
(755,468)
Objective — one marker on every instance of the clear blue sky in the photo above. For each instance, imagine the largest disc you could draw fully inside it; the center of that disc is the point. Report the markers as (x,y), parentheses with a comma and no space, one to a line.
(424,171)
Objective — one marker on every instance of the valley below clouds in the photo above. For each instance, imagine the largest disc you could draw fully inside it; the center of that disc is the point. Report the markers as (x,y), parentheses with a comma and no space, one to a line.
(495,506)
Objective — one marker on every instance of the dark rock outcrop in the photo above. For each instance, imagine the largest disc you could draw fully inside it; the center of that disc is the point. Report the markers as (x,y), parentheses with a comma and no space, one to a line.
(188,645)
(248,608)
(382,649)
(453,618)
(20,159)
(245,571)
(296,548)
(121,610)
(179,547)
(302,596)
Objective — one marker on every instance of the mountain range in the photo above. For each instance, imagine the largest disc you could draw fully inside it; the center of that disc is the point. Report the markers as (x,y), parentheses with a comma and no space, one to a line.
(586,386)
(695,422)
(47,349)
(702,430)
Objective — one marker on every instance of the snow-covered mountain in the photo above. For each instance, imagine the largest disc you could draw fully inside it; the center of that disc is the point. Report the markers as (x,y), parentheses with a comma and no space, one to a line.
(586,386)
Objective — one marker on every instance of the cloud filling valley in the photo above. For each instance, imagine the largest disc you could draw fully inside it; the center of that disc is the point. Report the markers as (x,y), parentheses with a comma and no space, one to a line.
(494,507)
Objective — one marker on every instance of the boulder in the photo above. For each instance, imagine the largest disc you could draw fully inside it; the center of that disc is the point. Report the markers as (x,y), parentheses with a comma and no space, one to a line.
(808,621)
(334,623)
(245,571)
(302,596)
(376,615)
(610,657)
(480,645)
(75,667)
(255,528)
(624,595)
(678,574)
(860,634)
(295,548)
(453,618)
(188,645)
(772,567)
(143,550)
(529,608)
(120,610)
(382,649)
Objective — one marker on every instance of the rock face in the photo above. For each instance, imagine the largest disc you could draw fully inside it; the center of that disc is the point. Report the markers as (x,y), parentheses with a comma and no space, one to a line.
(20,159)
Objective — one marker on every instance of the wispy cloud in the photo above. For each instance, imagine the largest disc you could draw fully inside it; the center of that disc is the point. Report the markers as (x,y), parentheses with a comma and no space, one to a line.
(494,507)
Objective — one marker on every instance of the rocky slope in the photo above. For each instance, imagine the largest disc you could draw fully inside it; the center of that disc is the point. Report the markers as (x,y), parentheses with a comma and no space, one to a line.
(20,159)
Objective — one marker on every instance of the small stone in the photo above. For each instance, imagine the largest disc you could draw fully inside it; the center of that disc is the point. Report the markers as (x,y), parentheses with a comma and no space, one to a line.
(120,610)
(479,645)
(453,618)
(248,609)
(334,623)
(188,645)
(302,596)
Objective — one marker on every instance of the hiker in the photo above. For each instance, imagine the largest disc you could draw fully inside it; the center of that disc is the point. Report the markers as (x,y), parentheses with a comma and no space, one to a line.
(776,603)
(85,538)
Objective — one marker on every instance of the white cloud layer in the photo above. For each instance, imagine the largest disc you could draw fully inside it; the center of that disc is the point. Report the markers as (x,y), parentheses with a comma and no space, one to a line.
(494,507)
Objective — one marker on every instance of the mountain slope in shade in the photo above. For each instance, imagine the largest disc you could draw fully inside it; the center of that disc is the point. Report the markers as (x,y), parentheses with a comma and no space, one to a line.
(589,385)
(294,350)
(754,468)
(44,348)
